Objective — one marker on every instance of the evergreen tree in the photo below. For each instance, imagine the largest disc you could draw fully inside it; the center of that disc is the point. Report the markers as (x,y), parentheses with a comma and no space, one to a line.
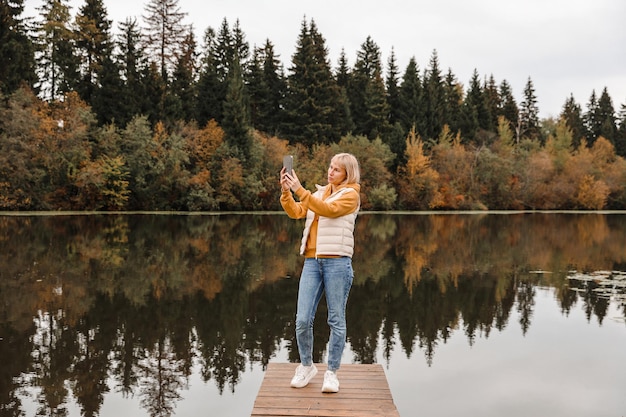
(16,49)
(236,123)
(572,114)
(393,89)
(267,88)
(164,34)
(209,87)
(342,76)
(473,108)
(154,89)
(453,98)
(507,106)
(241,48)
(434,99)
(56,61)
(593,124)
(93,46)
(224,52)
(369,107)
(411,109)
(257,89)
(107,100)
(606,117)
(131,61)
(343,70)
(529,113)
(492,103)
(312,105)
(182,91)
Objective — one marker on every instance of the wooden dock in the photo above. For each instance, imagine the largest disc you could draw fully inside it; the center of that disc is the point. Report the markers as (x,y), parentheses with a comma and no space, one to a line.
(363,392)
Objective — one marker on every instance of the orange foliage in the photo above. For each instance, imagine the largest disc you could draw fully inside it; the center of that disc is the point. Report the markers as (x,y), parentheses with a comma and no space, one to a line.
(202,144)
(592,194)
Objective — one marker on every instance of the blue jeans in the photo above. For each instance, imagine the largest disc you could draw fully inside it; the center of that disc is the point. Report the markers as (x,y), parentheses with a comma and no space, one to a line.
(332,276)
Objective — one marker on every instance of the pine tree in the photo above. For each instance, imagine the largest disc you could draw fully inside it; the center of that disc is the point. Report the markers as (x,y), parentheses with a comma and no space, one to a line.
(132,64)
(107,101)
(182,91)
(572,114)
(56,61)
(93,46)
(393,89)
(472,108)
(16,49)
(267,88)
(411,98)
(312,106)
(164,34)
(369,107)
(342,77)
(606,117)
(209,87)
(492,103)
(508,105)
(529,113)
(593,124)
(236,123)
(434,99)
(453,98)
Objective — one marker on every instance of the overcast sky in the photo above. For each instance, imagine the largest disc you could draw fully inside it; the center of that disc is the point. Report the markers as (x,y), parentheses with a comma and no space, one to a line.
(564,46)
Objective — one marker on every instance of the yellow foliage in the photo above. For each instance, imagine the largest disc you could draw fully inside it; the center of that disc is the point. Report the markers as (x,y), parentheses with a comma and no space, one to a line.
(592,193)
(202,144)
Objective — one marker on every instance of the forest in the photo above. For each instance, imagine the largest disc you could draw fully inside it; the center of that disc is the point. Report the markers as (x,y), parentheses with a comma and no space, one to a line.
(144,116)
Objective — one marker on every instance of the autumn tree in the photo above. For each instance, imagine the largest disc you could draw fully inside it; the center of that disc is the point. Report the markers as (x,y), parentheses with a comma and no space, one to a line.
(451,159)
(417,181)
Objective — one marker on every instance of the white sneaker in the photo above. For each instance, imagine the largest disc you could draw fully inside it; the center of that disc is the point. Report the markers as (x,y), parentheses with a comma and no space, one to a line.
(304,374)
(331,383)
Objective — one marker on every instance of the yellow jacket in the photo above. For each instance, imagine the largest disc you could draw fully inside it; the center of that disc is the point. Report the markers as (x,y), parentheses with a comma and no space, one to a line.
(329,203)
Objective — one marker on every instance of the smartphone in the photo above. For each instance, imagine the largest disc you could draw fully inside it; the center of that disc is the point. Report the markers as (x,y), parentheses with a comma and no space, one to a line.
(288,164)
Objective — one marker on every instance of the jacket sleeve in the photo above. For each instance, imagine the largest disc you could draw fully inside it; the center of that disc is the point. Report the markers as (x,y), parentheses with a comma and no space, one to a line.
(294,209)
(347,203)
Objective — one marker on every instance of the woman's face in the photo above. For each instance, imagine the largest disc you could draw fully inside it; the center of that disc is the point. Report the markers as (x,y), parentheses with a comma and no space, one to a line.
(336,173)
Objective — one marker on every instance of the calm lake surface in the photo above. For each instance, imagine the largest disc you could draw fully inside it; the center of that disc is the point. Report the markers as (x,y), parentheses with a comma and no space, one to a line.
(470,314)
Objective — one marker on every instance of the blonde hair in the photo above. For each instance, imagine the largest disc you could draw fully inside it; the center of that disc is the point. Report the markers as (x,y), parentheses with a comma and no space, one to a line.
(351,165)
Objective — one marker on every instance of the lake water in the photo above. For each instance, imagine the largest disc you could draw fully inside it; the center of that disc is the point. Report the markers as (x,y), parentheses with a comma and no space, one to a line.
(472,314)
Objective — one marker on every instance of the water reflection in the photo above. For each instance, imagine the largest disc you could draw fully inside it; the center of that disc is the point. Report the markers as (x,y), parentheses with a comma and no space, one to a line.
(136,304)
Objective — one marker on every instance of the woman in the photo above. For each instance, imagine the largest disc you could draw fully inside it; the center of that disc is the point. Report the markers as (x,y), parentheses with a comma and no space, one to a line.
(327,245)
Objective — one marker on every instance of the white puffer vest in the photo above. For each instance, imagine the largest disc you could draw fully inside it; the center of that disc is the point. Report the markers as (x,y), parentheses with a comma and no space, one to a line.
(335,236)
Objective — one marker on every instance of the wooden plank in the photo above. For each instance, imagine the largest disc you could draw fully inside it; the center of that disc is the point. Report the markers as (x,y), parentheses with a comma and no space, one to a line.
(363,392)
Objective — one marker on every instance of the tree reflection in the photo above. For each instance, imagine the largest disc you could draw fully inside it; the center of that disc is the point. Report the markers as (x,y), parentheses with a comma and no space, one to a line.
(132,303)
